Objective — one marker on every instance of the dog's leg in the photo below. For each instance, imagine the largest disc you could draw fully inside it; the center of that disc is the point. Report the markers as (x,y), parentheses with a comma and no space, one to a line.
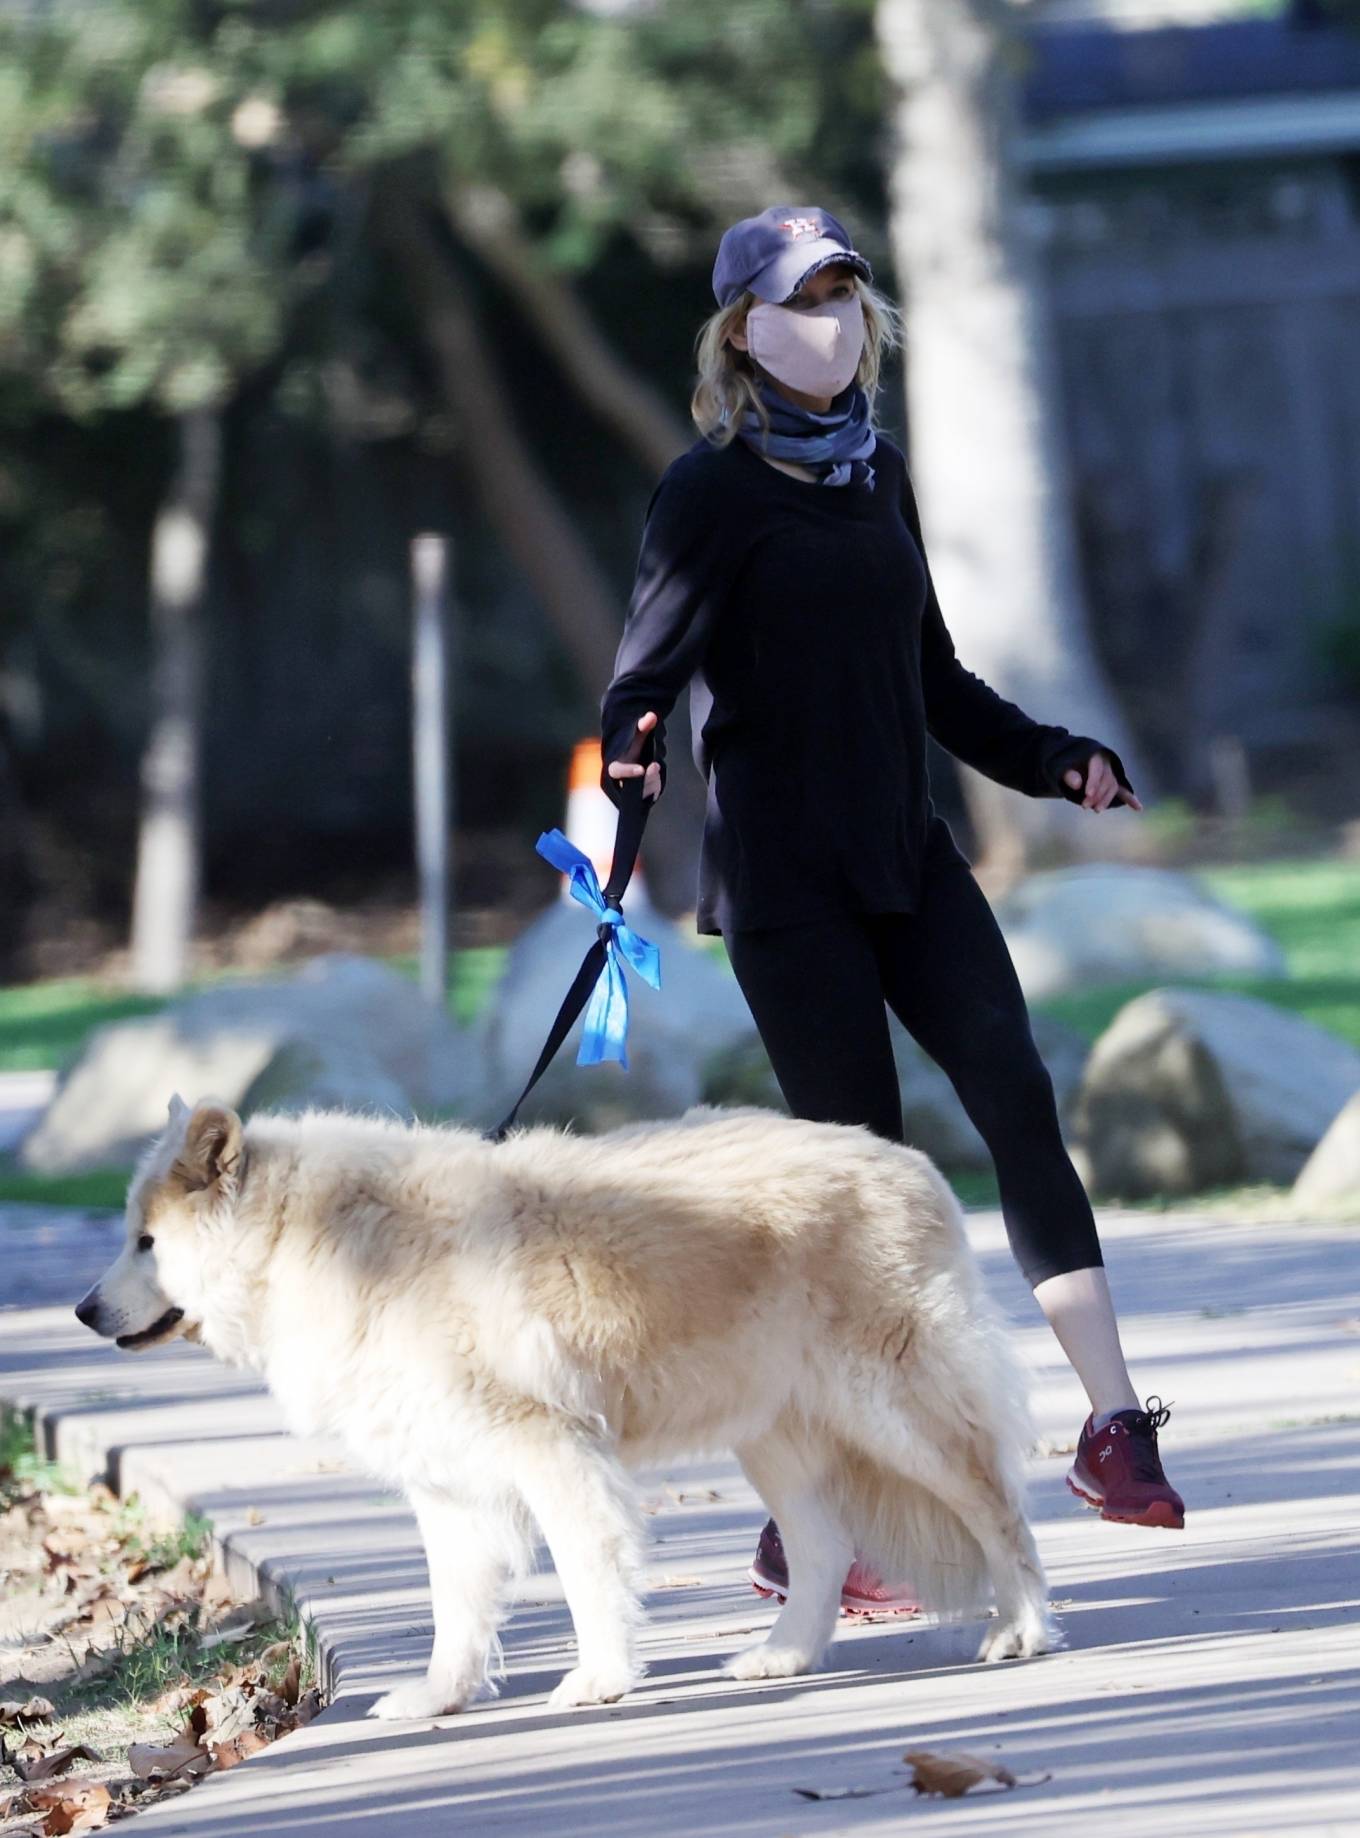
(583,1501)
(471,1550)
(995,1514)
(819,1552)
(969,1475)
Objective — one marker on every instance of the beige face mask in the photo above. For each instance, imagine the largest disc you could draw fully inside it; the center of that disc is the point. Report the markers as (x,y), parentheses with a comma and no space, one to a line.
(815,349)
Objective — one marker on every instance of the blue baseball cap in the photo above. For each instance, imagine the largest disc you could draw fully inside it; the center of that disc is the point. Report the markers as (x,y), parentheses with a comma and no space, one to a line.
(774,252)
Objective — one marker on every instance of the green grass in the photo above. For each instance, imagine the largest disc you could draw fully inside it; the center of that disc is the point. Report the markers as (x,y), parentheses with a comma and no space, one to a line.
(163,1549)
(115,1707)
(45,1024)
(104,1190)
(1310,908)
(144,1662)
(476,972)
(22,1469)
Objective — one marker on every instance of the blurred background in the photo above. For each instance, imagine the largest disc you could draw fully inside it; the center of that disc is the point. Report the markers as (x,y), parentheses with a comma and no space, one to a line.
(287,284)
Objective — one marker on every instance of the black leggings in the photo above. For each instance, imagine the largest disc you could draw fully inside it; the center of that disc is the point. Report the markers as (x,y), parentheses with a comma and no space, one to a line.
(817,991)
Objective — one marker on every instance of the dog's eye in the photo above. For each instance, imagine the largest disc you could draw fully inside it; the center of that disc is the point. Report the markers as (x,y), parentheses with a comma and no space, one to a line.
(145,1242)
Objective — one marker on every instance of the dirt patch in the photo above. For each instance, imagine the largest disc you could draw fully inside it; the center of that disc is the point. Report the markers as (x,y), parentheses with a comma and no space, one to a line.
(128,1670)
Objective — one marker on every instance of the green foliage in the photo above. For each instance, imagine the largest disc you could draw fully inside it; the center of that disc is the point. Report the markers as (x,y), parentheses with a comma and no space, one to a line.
(171,173)
(135,265)
(189,195)
(22,1469)
(162,1549)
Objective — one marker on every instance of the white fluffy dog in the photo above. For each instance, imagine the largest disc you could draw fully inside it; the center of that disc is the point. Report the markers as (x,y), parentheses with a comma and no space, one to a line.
(503,1329)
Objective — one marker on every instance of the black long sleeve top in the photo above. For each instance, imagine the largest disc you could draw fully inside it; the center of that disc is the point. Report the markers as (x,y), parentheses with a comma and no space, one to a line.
(807,618)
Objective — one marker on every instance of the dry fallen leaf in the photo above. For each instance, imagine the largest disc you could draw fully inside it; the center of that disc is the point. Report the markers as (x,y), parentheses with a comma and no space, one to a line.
(103,1610)
(71,1807)
(249,1742)
(839,1793)
(181,1580)
(171,1761)
(308,1704)
(35,1710)
(241,1618)
(953,1775)
(229,1713)
(43,1767)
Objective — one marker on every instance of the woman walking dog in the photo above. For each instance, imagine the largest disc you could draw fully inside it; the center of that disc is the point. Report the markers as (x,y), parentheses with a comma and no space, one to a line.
(782,567)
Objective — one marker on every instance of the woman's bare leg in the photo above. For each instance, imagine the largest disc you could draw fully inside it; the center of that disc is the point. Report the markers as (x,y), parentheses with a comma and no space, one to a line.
(1079,1309)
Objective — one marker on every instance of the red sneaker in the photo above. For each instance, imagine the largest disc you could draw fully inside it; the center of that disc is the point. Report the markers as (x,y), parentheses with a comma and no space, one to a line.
(862,1593)
(1118,1469)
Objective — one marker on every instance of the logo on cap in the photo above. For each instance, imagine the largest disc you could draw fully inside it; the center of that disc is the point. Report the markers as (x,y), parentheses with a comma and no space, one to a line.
(800,226)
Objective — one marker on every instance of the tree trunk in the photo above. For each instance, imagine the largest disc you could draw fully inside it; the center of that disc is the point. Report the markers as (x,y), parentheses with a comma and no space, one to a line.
(987,451)
(528,517)
(622,401)
(16,876)
(520,502)
(168,845)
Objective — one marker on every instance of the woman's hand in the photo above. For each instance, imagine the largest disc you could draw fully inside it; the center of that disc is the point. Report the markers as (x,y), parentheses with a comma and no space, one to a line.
(622,769)
(1102,787)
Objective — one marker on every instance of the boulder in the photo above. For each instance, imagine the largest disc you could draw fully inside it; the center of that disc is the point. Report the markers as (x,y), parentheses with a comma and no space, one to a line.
(1112,923)
(317,1074)
(345,1031)
(1332,1171)
(1189,1089)
(698,1011)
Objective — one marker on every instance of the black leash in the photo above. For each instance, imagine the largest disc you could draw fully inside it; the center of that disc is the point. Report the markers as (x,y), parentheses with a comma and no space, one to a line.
(633,813)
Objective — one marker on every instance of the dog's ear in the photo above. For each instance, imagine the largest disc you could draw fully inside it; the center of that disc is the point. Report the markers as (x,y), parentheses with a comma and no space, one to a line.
(212,1147)
(178,1108)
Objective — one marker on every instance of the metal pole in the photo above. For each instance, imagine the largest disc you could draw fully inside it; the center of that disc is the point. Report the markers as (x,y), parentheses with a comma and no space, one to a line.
(430,744)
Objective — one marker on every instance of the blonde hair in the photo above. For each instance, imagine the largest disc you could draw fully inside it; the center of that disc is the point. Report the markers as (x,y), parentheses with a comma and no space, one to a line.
(727,376)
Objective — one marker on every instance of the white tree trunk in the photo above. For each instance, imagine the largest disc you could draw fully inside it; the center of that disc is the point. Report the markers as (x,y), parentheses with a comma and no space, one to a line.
(987,452)
(165,896)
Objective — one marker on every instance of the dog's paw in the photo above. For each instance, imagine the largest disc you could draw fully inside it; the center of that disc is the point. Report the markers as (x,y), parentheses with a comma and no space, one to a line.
(593,1685)
(1021,1639)
(419,1698)
(765,1661)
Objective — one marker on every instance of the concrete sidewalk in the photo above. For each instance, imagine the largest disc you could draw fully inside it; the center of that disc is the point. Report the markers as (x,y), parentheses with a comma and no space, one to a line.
(1210,1683)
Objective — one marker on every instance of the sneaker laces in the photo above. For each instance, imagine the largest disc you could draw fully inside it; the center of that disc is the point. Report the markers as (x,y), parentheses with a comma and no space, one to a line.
(1146,1463)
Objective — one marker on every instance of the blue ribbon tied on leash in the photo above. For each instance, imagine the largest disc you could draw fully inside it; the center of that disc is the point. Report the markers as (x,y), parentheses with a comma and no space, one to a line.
(605,1028)
(599,986)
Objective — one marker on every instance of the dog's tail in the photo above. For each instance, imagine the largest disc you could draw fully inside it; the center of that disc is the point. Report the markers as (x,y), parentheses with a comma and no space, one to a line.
(908,1535)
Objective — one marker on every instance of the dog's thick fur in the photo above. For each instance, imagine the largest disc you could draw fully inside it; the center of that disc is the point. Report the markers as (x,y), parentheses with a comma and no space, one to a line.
(502,1329)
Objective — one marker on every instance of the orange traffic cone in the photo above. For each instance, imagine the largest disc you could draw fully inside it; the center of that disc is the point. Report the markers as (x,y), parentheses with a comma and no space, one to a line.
(592,821)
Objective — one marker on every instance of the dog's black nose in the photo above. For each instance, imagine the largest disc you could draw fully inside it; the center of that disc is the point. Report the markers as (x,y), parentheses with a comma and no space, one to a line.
(86,1312)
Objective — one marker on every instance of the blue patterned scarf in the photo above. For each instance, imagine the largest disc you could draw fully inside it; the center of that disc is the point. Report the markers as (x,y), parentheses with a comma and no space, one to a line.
(835,445)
